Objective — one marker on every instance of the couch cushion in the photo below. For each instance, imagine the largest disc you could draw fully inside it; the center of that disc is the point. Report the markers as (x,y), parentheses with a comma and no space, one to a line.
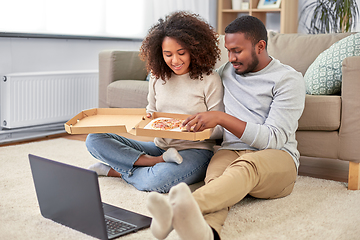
(300,50)
(128,94)
(321,113)
(321,144)
(324,75)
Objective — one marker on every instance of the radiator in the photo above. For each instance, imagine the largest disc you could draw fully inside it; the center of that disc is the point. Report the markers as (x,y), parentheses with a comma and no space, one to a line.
(31,99)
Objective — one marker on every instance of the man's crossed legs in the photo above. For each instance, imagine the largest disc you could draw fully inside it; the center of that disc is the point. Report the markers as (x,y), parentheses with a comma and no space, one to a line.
(231,175)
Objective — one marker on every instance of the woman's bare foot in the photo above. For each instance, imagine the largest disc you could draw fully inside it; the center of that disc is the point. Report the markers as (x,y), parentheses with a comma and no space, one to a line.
(113,173)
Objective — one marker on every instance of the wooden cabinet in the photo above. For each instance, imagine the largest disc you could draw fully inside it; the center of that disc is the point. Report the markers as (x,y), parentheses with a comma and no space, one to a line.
(288,14)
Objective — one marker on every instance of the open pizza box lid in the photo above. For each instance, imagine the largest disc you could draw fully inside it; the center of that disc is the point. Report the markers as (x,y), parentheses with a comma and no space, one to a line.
(105,120)
(127,120)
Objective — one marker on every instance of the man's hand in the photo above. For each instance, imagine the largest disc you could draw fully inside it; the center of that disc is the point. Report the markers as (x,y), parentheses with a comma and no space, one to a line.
(201,121)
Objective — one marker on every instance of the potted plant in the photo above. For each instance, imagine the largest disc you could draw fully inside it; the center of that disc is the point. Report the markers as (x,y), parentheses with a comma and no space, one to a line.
(329,16)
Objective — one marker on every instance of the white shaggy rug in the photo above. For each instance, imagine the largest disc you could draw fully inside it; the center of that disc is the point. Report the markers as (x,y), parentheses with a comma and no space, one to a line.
(317,209)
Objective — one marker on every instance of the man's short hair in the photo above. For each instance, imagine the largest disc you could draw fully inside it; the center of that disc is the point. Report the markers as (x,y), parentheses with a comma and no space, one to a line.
(252,27)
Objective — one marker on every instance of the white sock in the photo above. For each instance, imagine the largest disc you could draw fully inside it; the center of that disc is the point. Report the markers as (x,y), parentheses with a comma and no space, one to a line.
(100,168)
(188,220)
(172,155)
(160,209)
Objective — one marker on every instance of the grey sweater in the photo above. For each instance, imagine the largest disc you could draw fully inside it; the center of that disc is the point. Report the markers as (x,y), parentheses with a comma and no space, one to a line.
(271,101)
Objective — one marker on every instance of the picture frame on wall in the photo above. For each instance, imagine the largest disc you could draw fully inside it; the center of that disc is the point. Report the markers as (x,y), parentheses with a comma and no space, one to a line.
(265,4)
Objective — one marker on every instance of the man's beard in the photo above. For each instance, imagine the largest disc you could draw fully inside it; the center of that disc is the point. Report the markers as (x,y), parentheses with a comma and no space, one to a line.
(252,65)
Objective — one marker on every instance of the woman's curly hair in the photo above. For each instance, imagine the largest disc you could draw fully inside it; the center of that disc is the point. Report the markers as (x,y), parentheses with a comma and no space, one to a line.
(192,33)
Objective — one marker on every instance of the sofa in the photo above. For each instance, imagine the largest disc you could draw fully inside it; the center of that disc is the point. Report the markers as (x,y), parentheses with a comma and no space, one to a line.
(329,127)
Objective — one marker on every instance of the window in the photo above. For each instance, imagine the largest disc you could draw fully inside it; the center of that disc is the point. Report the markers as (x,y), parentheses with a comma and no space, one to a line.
(97,18)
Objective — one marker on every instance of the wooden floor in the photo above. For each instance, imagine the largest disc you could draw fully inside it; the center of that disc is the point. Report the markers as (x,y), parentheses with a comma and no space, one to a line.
(336,170)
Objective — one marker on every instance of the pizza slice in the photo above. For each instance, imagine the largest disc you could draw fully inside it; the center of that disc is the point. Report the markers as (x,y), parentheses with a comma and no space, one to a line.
(166,123)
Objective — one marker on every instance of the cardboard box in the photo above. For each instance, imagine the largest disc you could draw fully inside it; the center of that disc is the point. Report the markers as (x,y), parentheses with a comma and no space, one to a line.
(127,120)
(193,136)
(105,120)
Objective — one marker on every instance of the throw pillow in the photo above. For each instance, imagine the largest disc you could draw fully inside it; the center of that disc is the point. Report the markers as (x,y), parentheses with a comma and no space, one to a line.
(324,75)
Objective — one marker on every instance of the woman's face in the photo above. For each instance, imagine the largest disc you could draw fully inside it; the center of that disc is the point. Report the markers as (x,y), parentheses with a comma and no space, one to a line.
(175,56)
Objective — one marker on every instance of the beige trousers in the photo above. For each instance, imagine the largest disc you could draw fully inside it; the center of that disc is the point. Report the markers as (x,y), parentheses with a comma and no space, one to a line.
(232,175)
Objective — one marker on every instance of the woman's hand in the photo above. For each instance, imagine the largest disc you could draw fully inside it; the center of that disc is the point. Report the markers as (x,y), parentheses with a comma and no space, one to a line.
(148,115)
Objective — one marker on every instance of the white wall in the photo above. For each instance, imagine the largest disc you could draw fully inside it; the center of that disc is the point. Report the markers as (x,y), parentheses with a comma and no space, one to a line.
(41,54)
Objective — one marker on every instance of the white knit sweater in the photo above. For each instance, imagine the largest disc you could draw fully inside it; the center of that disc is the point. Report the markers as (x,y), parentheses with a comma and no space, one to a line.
(183,95)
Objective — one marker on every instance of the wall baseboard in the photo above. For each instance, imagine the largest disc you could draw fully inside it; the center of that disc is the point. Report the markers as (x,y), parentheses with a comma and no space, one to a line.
(30,133)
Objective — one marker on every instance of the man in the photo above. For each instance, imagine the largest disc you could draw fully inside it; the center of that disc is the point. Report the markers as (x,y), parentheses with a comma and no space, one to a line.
(264,100)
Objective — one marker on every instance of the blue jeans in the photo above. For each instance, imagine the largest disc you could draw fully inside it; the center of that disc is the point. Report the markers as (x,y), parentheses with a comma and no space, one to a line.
(121,153)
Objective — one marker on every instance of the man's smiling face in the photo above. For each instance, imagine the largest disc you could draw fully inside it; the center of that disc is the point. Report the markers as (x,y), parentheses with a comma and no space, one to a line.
(241,53)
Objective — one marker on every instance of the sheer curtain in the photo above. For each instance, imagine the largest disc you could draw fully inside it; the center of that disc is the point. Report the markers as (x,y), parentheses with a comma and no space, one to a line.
(104,18)
(160,8)
(134,18)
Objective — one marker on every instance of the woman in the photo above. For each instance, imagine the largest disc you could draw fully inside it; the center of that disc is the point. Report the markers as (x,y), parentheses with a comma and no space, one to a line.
(180,52)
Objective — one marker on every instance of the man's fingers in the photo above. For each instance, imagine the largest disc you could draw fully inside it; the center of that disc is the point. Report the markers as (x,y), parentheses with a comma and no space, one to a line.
(195,125)
(188,120)
(190,125)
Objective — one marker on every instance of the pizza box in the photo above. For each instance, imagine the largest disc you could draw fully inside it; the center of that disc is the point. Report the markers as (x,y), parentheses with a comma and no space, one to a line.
(142,130)
(105,120)
(127,120)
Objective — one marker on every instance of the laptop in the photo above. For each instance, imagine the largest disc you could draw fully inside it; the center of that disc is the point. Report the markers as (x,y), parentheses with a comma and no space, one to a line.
(70,196)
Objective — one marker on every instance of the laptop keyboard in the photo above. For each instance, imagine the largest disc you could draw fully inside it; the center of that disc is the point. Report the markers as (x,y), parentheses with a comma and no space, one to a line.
(115,226)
